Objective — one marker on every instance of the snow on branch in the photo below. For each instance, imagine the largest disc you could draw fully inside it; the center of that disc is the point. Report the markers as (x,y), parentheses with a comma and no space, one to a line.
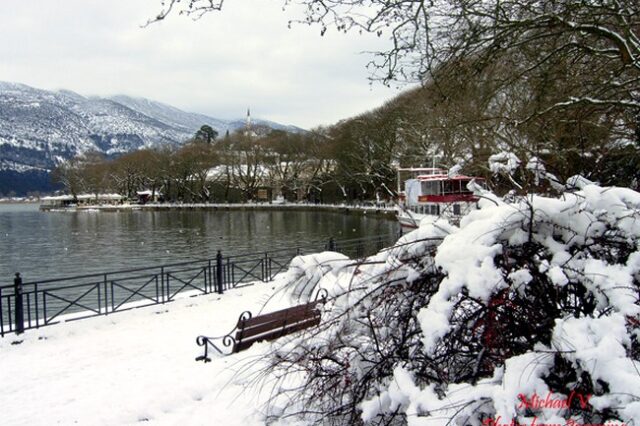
(504,162)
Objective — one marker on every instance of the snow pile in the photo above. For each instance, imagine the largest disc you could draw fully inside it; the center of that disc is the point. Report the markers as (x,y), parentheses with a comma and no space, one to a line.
(528,313)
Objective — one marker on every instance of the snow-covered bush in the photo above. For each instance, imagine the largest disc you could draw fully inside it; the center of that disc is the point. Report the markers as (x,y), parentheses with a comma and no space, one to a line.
(528,313)
(366,329)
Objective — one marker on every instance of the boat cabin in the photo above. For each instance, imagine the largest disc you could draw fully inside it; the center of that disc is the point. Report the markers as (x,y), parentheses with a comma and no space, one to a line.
(432,192)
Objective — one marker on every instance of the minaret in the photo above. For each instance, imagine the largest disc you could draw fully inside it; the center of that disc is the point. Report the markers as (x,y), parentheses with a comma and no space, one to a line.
(248,124)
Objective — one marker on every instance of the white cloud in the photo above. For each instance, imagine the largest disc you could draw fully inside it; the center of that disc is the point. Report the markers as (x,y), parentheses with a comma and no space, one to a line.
(219,65)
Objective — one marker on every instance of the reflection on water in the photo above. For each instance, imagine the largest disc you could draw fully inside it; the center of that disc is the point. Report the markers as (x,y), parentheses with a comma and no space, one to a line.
(56,244)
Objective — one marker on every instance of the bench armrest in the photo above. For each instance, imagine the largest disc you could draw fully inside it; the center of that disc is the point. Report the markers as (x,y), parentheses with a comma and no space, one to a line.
(226,341)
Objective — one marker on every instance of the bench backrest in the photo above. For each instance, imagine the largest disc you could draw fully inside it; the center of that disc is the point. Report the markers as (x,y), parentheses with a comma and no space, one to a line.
(276,324)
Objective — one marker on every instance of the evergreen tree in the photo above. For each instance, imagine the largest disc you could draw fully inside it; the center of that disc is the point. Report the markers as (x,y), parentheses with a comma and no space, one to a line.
(206,134)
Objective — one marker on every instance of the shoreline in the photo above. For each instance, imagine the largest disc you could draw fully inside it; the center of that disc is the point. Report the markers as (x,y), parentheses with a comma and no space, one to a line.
(385,211)
(17,201)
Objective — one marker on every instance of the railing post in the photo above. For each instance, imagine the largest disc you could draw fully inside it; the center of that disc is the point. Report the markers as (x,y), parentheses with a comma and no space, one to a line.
(106,295)
(161,295)
(219,274)
(265,270)
(1,316)
(167,284)
(19,311)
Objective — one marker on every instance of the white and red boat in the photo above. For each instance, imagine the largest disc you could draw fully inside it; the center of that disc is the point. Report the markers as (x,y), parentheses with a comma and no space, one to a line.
(432,192)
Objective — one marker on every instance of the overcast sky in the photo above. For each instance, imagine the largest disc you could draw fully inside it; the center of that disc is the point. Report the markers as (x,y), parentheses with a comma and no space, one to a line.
(223,63)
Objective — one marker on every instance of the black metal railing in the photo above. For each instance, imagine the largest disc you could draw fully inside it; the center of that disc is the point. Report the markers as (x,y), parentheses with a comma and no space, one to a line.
(34,304)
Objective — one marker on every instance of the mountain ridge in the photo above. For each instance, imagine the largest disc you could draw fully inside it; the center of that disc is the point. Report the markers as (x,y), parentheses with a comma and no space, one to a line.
(40,128)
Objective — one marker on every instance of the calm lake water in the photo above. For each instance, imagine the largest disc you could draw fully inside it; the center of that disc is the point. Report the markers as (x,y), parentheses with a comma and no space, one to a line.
(43,245)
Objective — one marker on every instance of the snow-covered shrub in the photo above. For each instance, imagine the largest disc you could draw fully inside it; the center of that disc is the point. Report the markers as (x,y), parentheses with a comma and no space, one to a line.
(368,327)
(528,313)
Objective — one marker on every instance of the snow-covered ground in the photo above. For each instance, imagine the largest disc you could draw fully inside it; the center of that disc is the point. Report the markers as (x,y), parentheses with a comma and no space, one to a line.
(135,367)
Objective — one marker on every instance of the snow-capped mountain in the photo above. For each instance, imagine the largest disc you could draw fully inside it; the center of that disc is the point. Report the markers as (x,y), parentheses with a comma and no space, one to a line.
(170,115)
(40,128)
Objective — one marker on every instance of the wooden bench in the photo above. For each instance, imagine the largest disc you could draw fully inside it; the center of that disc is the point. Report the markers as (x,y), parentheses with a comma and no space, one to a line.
(265,327)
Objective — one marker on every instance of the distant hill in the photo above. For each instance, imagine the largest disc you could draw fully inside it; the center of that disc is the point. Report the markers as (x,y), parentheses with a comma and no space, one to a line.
(40,128)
